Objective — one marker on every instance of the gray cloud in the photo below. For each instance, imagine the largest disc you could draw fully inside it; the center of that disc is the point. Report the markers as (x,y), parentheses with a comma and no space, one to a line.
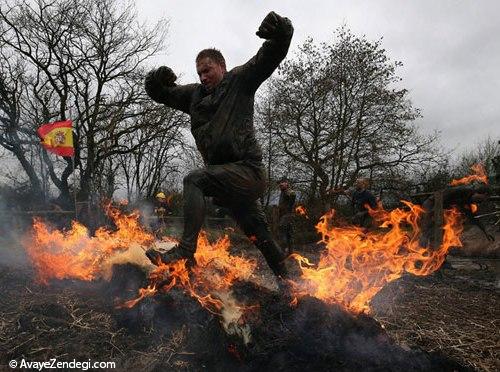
(449,48)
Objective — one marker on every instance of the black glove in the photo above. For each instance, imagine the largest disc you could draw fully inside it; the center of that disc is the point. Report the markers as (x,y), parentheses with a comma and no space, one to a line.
(165,75)
(274,26)
(161,77)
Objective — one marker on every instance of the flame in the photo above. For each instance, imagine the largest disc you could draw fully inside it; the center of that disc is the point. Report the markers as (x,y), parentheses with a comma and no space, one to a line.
(300,209)
(357,264)
(473,208)
(209,282)
(214,273)
(75,254)
(478,174)
(354,266)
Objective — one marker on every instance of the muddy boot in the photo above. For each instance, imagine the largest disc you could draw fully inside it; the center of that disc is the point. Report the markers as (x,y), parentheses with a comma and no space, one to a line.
(274,257)
(178,252)
(276,261)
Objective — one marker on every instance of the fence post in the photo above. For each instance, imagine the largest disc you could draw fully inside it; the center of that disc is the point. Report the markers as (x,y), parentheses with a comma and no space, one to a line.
(438,219)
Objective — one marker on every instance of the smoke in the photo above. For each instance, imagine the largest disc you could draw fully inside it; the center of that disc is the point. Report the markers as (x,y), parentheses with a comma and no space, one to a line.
(12,253)
(232,317)
(133,255)
(146,210)
(12,227)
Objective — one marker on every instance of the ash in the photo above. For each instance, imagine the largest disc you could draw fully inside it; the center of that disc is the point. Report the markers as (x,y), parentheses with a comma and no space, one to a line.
(172,331)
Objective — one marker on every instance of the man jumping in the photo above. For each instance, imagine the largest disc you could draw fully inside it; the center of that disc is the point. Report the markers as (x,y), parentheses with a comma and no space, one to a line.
(221,110)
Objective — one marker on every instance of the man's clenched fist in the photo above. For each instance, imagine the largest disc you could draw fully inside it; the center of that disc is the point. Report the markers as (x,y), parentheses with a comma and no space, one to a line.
(162,75)
(273,26)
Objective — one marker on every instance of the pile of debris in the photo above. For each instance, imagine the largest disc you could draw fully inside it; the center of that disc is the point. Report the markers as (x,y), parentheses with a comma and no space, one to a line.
(73,319)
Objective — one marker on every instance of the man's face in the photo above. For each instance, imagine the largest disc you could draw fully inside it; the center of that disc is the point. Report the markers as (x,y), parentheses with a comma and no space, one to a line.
(283,185)
(361,184)
(210,72)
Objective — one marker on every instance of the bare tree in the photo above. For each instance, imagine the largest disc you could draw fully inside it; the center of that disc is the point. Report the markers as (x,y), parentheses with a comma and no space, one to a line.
(145,171)
(336,111)
(85,62)
(14,137)
(483,152)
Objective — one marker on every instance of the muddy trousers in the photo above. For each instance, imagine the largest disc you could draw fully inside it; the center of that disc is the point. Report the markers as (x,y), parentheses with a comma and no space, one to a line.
(235,187)
(285,229)
(426,225)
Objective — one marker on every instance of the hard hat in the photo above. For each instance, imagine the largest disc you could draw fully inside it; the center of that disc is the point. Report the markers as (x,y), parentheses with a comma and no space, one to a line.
(161,195)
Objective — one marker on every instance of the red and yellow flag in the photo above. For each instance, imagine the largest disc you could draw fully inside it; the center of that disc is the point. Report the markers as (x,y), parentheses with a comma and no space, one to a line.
(57,137)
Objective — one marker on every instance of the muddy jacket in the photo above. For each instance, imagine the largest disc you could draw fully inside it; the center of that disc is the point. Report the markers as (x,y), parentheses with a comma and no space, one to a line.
(222,120)
(361,198)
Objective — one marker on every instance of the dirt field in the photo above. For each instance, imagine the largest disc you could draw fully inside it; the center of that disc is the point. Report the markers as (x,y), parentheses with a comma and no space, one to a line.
(455,313)
(476,245)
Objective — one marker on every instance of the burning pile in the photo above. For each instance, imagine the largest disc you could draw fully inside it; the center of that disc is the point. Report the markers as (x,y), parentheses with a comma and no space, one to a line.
(356,264)
(353,267)
(73,254)
(209,282)
(331,300)
(324,327)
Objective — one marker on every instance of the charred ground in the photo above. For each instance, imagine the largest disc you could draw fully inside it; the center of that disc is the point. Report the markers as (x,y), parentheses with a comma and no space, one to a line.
(448,321)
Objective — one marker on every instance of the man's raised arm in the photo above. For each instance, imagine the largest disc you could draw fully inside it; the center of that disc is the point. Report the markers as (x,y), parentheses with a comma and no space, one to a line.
(278,33)
(160,86)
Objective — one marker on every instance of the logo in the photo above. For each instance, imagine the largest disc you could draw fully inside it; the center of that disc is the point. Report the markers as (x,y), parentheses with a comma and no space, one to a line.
(59,138)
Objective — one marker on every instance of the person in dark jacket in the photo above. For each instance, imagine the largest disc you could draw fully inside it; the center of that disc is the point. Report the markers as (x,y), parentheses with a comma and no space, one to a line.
(361,199)
(285,213)
(221,110)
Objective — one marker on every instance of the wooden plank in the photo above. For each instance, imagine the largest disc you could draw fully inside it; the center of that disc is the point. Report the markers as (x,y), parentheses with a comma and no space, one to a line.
(438,219)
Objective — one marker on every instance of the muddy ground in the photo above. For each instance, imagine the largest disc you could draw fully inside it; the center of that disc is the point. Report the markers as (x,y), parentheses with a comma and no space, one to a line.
(455,313)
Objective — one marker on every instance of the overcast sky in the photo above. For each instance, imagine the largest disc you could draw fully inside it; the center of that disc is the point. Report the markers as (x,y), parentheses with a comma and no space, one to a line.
(450,49)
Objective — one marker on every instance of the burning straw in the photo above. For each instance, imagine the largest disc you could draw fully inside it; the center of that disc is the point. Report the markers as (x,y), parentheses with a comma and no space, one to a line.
(356,264)
(353,267)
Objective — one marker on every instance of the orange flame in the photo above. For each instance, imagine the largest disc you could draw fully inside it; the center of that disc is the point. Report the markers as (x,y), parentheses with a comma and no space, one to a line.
(357,264)
(75,254)
(214,273)
(354,266)
(209,282)
(300,209)
(478,174)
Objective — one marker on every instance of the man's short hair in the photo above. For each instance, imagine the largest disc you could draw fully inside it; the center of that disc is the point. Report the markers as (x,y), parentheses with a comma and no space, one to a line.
(212,53)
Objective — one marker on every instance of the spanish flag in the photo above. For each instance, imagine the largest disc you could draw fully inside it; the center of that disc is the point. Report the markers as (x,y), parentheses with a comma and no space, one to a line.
(58,137)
